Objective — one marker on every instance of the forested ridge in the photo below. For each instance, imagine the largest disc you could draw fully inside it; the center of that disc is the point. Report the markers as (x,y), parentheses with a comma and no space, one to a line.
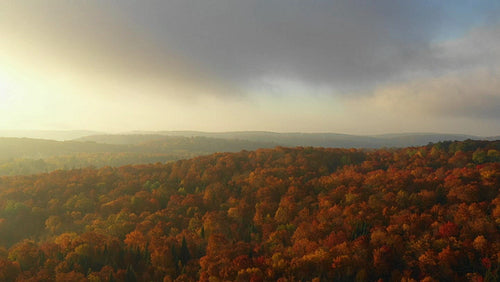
(20,156)
(288,214)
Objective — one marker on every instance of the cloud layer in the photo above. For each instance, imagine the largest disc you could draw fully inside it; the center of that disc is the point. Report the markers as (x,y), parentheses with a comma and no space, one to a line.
(253,64)
(342,44)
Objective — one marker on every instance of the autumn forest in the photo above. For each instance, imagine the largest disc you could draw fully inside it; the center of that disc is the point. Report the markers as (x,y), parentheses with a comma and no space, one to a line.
(429,213)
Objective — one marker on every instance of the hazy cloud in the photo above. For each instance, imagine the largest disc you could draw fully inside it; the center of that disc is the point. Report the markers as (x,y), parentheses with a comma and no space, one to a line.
(469,88)
(88,45)
(342,44)
(319,65)
(339,43)
(345,45)
(474,94)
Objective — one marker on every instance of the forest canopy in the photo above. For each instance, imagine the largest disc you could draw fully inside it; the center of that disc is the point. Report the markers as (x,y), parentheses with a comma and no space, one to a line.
(430,212)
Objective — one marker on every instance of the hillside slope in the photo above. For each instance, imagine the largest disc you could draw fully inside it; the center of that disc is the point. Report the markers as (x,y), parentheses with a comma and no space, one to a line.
(428,212)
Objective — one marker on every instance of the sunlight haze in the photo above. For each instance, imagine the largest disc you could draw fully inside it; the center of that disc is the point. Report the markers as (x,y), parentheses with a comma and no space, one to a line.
(285,66)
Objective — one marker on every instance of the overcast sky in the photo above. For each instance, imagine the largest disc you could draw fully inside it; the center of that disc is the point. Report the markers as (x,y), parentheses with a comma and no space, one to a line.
(359,67)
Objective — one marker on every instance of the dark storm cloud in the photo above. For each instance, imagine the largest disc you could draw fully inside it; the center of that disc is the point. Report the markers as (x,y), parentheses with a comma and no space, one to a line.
(343,44)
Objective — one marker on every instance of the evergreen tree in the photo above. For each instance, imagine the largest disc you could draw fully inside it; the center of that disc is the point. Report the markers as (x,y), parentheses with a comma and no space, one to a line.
(185,256)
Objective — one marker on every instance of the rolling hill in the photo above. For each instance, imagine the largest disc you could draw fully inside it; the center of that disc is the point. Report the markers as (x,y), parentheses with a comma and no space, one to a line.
(286,214)
(28,156)
(331,140)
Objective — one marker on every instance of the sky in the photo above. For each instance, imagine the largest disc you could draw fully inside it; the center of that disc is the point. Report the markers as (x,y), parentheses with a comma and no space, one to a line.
(351,66)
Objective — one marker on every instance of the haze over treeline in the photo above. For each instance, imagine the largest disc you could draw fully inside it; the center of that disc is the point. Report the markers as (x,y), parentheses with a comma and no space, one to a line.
(29,155)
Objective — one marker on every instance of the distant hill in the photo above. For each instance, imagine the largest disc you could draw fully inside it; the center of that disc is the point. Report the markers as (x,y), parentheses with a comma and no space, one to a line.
(60,135)
(305,139)
(420,139)
(493,138)
(127,139)
(28,156)
(40,148)
(274,138)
